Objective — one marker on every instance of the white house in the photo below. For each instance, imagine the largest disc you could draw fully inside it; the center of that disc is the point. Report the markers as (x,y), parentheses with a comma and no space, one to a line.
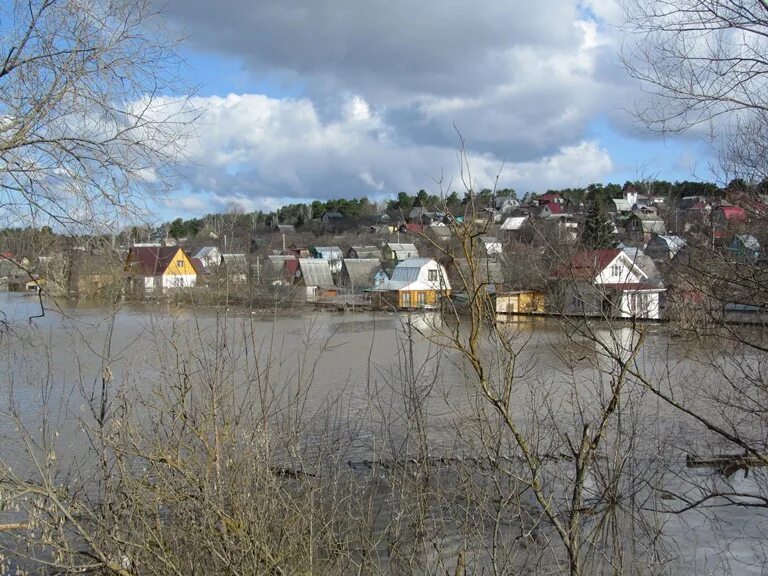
(415,283)
(492,246)
(332,254)
(210,256)
(608,283)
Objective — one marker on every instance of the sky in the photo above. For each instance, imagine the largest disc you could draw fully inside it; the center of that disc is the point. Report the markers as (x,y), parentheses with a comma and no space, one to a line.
(303,100)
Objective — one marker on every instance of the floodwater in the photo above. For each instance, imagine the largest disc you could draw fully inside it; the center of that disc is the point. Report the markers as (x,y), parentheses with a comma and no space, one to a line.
(375,373)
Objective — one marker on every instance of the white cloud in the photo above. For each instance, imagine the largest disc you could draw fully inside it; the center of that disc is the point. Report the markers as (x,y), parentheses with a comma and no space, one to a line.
(256,152)
(383,88)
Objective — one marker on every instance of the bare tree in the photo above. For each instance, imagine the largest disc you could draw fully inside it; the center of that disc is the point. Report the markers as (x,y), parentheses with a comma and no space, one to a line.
(706,63)
(90,123)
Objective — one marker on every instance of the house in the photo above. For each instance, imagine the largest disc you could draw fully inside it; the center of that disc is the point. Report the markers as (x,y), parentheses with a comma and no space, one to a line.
(332,221)
(663,247)
(608,283)
(645,263)
(514,223)
(396,252)
(315,275)
(415,283)
(90,272)
(364,252)
(745,247)
(505,204)
(725,219)
(210,256)
(640,227)
(332,254)
(488,274)
(550,210)
(520,302)
(412,228)
(619,206)
(438,232)
(491,246)
(158,268)
(280,269)
(298,252)
(550,198)
(359,274)
(235,267)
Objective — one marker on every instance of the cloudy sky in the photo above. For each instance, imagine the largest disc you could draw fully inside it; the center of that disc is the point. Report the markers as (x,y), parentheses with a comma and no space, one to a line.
(319,99)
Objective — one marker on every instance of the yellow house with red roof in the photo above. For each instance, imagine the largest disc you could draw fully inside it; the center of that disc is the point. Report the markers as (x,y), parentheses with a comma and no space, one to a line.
(158,268)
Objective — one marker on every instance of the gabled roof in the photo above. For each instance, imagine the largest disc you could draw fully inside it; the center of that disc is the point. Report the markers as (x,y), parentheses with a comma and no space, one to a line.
(150,260)
(622,205)
(587,263)
(733,213)
(316,272)
(413,227)
(403,251)
(204,252)
(407,273)
(672,242)
(550,198)
(367,251)
(514,222)
(362,271)
(553,208)
(329,252)
(644,262)
(748,241)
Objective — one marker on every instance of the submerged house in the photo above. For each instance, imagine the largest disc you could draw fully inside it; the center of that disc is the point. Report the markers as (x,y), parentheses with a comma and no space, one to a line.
(415,283)
(519,302)
(158,268)
(608,283)
(315,275)
(359,274)
(280,269)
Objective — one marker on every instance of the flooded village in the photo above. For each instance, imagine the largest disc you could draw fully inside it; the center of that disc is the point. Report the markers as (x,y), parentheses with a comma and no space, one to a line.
(530,257)
(237,338)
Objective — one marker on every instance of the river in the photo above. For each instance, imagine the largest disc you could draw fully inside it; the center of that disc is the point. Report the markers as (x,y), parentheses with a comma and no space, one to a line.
(365,378)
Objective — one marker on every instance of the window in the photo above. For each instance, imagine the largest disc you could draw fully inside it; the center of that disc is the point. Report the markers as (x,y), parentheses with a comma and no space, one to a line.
(432,275)
(179,263)
(422,298)
(406,299)
(576,302)
(615,270)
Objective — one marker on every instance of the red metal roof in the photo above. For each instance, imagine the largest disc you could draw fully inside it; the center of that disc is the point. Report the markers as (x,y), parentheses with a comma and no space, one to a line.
(198,265)
(150,260)
(414,228)
(734,213)
(549,198)
(587,263)
(554,208)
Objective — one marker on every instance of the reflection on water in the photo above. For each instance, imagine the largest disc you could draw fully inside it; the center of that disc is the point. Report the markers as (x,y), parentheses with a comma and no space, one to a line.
(373,369)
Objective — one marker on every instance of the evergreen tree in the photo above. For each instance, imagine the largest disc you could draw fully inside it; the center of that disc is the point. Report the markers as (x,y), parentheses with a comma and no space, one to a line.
(598,230)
